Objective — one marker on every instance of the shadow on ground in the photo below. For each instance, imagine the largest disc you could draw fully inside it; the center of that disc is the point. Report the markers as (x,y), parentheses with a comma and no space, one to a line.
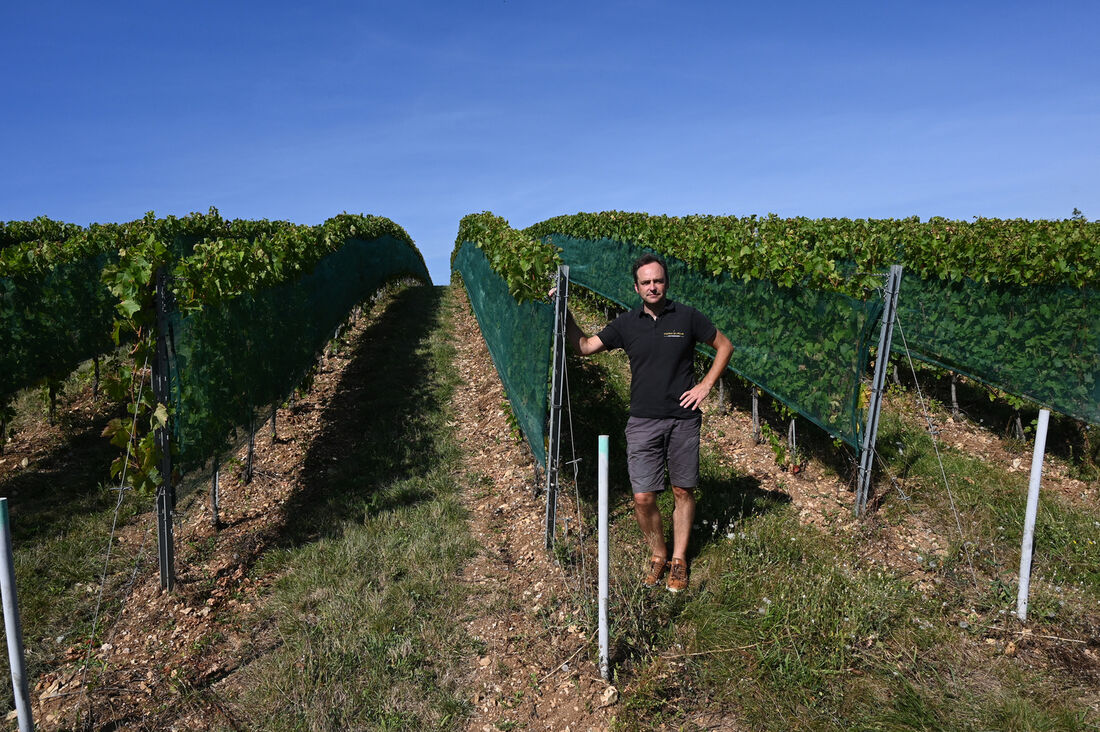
(55,488)
(597,408)
(723,501)
(374,431)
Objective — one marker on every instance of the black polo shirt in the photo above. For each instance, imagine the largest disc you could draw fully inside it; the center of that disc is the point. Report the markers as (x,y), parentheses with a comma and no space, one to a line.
(662,356)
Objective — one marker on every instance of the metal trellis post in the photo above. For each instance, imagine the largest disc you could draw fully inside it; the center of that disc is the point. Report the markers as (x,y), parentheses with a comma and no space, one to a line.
(166,494)
(13,627)
(215,494)
(557,383)
(878,384)
(602,555)
(251,447)
(1032,509)
(757,437)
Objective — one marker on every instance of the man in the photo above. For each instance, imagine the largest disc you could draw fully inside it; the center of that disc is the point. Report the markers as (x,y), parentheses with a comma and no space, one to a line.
(659,338)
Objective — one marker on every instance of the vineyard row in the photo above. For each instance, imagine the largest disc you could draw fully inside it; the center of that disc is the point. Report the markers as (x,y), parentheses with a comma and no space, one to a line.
(804,330)
(248,305)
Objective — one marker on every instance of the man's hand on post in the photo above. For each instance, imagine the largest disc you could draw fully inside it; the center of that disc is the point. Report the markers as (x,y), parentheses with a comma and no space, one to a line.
(581,343)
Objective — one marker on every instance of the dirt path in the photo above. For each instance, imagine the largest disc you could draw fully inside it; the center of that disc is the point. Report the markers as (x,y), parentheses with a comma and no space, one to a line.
(535,670)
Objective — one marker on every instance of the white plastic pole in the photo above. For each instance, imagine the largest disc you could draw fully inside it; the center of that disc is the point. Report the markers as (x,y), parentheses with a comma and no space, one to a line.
(1032,510)
(12,626)
(602,521)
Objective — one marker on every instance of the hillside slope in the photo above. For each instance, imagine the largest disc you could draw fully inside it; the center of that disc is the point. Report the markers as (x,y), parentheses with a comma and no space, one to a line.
(397,487)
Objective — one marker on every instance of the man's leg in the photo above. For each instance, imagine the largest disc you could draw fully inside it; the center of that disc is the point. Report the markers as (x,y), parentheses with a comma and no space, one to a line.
(683,516)
(649,521)
(683,472)
(645,462)
(645,458)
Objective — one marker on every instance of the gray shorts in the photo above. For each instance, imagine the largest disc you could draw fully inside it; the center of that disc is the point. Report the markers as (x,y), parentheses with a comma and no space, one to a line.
(651,444)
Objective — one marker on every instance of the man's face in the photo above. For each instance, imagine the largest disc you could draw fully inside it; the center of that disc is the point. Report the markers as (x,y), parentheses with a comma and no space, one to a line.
(650,283)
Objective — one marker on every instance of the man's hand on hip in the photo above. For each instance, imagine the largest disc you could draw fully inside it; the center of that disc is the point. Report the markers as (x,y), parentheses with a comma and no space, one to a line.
(693,397)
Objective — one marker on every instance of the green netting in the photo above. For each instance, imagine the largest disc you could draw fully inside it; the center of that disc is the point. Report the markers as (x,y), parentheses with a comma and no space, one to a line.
(1042,343)
(519,337)
(807,348)
(50,323)
(232,360)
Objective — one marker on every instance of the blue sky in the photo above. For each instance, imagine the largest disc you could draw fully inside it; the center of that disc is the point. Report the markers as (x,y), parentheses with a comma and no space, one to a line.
(427,111)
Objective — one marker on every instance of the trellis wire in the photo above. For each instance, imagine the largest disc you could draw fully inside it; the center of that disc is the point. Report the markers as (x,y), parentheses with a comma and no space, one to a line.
(575,462)
(553,456)
(939,459)
(111,537)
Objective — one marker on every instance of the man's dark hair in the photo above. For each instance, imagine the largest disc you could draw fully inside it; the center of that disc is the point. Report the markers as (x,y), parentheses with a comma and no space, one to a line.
(649,259)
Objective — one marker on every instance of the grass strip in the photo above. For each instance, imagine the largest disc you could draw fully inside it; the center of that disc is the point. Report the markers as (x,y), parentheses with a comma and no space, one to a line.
(991,502)
(367,610)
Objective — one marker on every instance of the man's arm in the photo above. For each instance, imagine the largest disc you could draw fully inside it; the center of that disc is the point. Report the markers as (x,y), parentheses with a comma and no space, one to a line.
(582,344)
(694,396)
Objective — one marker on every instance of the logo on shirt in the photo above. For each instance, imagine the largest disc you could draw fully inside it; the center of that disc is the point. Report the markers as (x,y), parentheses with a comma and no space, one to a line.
(675,334)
